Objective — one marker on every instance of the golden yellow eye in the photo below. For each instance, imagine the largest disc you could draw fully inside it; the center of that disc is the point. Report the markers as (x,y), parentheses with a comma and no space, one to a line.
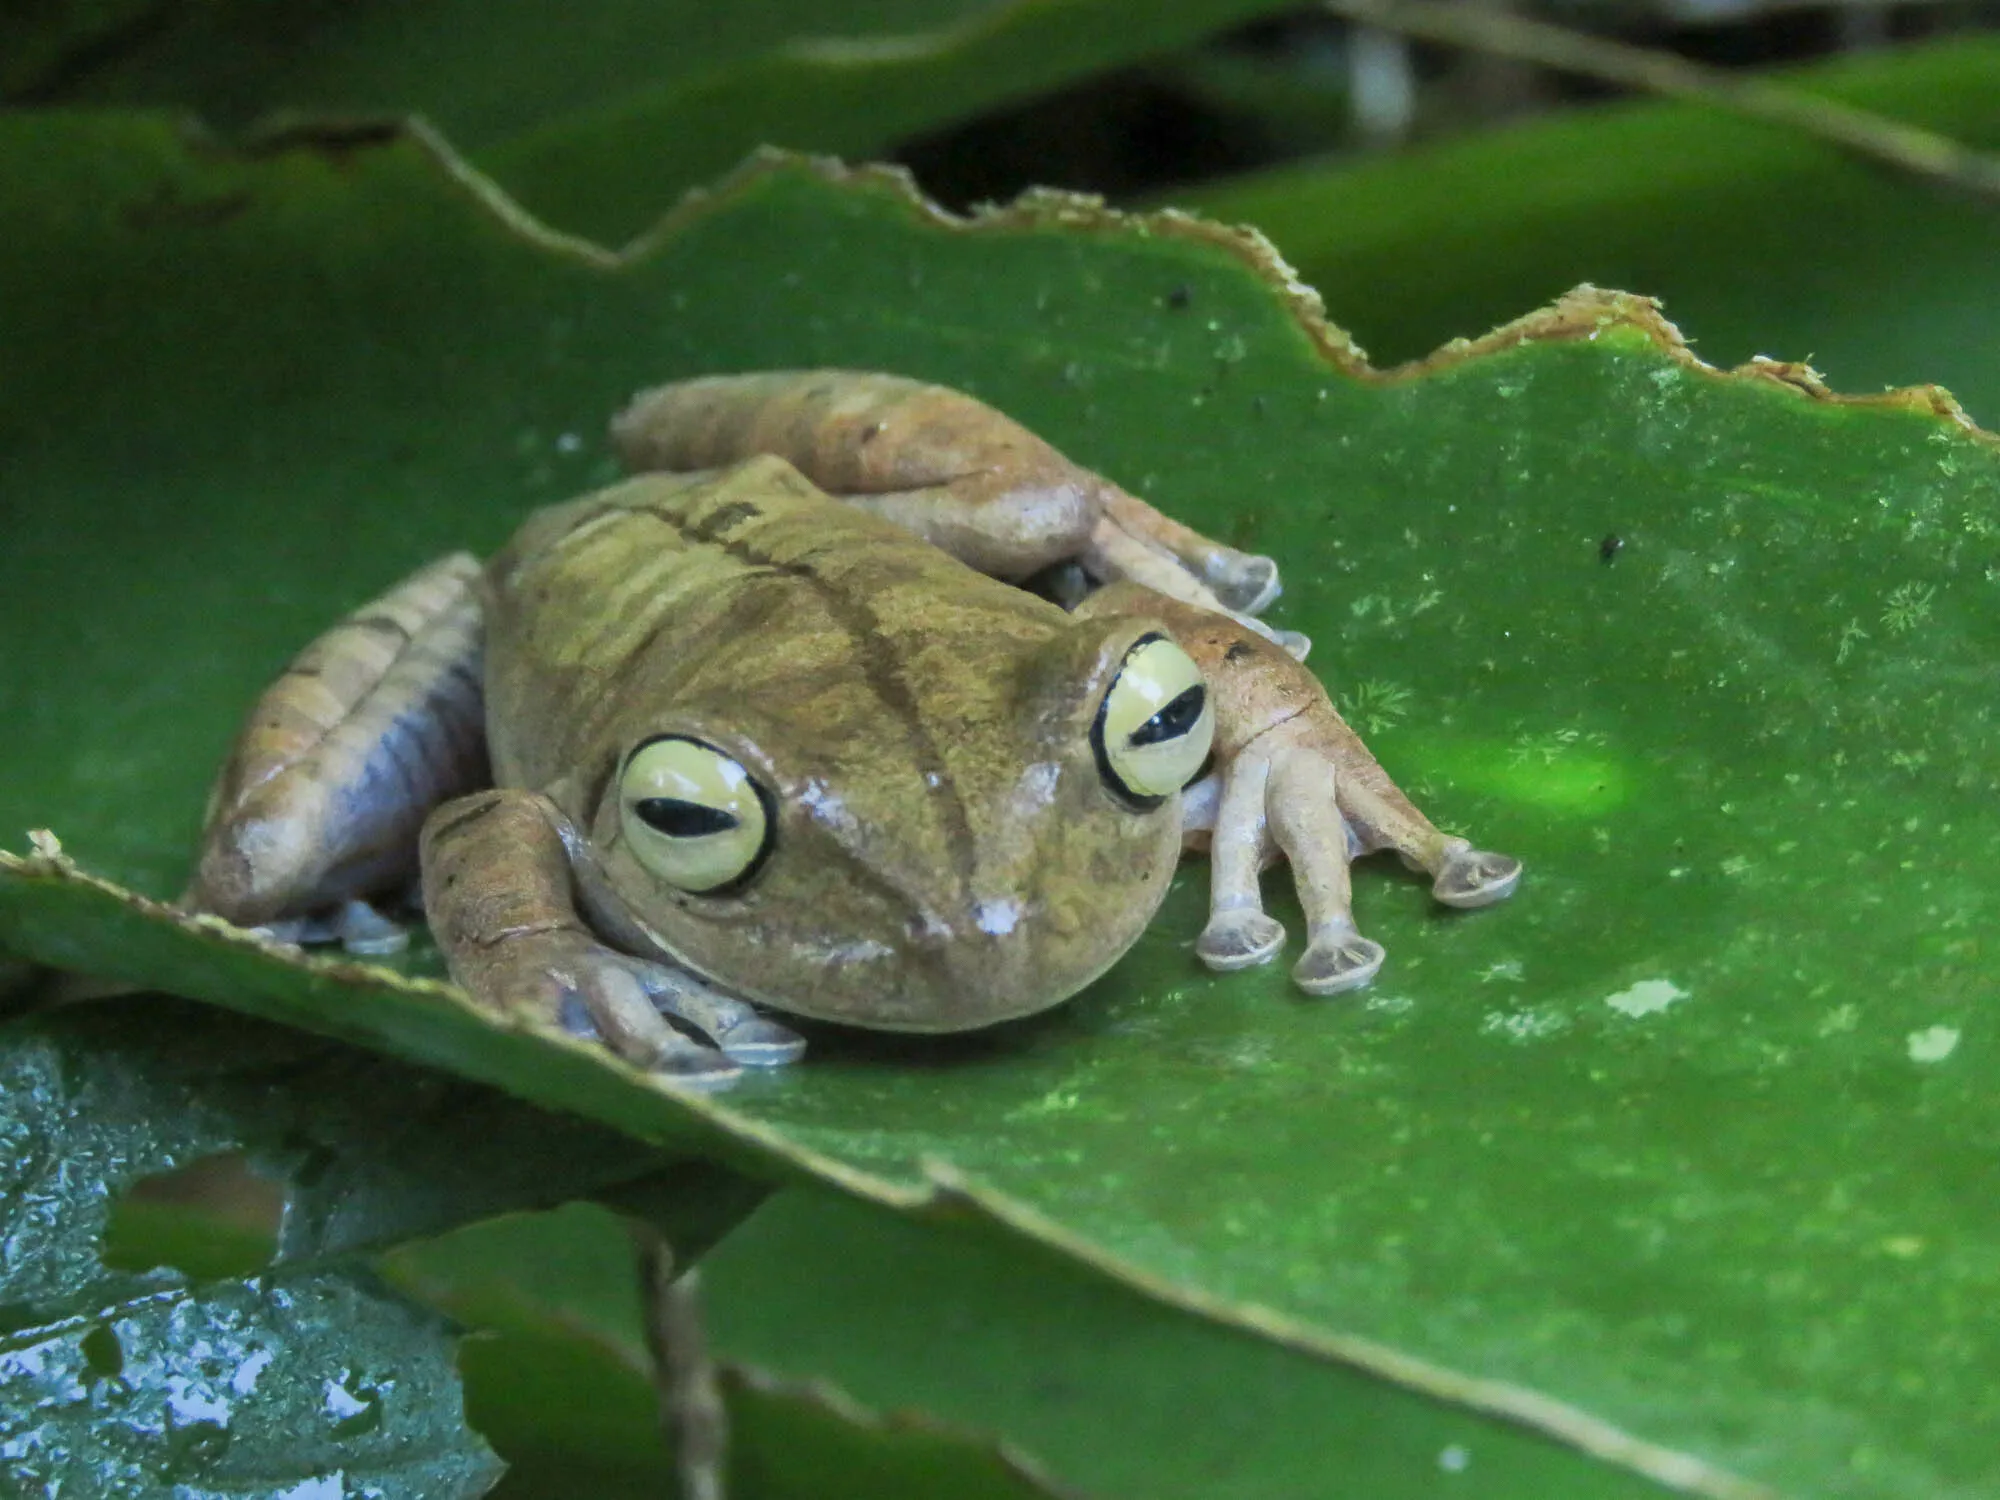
(692,815)
(1155,726)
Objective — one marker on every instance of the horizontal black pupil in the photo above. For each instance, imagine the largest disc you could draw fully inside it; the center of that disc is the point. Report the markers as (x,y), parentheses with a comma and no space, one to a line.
(683,820)
(1173,721)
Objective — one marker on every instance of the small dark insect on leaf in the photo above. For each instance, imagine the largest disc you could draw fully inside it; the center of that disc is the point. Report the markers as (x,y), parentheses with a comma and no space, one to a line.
(1179,298)
(1608,548)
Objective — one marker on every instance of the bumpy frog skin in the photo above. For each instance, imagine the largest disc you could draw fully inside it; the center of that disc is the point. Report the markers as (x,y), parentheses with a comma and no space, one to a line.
(771,724)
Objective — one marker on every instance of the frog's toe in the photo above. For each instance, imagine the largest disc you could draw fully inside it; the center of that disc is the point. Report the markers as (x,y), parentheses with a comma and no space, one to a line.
(687,1062)
(597,995)
(1338,962)
(1476,877)
(1245,582)
(366,932)
(760,1043)
(1297,645)
(1239,940)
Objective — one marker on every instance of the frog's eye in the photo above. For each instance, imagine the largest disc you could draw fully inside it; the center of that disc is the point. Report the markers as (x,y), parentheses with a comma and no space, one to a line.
(1155,726)
(693,816)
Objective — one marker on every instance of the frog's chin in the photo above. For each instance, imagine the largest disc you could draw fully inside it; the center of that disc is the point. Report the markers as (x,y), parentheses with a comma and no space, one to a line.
(967,983)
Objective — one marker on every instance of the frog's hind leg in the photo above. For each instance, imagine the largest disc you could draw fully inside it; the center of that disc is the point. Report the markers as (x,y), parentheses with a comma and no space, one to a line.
(502,897)
(949,468)
(1245,582)
(319,805)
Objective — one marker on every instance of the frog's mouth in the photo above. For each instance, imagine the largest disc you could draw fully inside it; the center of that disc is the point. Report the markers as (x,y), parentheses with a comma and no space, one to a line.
(931,962)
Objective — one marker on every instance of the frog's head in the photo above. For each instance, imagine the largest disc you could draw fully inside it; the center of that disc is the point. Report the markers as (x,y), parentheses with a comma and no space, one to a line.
(948,833)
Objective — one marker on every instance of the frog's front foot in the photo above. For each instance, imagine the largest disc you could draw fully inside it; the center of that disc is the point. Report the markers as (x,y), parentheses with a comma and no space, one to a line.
(1239,939)
(630,1005)
(1469,877)
(596,993)
(1337,960)
(498,886)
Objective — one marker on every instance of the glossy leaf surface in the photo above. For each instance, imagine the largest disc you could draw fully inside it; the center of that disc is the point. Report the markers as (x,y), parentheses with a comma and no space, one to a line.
(1758,240)
(304,1377)
(1679,1158)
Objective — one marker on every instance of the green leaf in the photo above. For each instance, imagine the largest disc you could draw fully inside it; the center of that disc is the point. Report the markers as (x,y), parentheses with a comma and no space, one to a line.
(564,1375)
(1673,1160)
(820,1304)
(279,1384)
(188,1364)
(1759,240)
(143,1086)
(153,1384)
(595,124)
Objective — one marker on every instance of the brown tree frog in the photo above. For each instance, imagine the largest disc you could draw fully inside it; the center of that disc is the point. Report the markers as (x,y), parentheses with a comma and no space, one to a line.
(769,727)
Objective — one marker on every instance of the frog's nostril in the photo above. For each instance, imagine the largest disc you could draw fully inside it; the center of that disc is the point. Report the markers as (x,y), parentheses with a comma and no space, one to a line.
(926,932)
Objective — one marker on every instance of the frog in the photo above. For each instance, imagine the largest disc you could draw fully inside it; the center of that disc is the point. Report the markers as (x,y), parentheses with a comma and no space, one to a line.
(855,702)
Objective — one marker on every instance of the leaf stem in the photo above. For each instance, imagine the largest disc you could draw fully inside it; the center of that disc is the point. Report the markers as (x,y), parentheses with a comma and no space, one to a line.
(1909,148)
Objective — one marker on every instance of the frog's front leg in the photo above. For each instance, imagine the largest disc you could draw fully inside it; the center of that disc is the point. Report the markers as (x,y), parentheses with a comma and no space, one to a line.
(373,724)
(1281,792)
(500,891)
(1295,779)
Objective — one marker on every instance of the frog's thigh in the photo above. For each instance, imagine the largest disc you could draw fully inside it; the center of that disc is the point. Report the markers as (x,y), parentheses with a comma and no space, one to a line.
(1307,824)
(330,778)
(943,465)
(502,906)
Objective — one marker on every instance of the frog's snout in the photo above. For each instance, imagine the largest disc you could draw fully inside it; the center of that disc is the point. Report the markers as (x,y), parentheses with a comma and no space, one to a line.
(995,958)
(981,961)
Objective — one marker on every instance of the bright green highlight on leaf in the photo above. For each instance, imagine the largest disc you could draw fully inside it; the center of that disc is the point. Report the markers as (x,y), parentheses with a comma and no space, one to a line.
(1550,774)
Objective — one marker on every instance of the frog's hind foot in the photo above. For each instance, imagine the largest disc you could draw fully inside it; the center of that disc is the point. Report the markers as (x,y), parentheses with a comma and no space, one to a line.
(362,929)
(1469,877)
(1337,961)
(1245,581)
(334,770)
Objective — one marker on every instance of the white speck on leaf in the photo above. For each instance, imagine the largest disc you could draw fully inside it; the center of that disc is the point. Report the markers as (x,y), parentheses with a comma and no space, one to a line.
(1523,1025)
(1933,1044)
(1646,998)
(341,1403)
(244,1381)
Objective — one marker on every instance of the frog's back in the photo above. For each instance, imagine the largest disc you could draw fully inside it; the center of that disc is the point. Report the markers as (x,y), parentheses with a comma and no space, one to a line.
(745,583)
